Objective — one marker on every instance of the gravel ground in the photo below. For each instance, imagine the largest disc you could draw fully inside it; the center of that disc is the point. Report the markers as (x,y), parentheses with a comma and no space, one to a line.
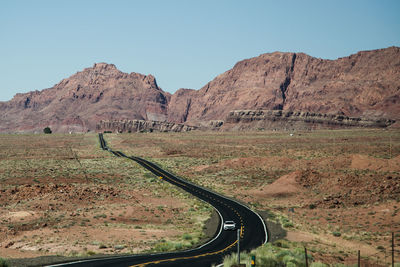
(275,230)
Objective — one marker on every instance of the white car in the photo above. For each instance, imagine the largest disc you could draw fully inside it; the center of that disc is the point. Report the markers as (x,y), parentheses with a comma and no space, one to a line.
(229,225)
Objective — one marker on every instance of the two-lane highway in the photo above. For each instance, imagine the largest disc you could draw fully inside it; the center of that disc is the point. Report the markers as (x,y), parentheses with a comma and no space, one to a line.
(253,232)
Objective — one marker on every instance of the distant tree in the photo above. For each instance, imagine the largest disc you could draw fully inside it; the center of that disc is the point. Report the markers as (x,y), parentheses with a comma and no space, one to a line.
(47,130)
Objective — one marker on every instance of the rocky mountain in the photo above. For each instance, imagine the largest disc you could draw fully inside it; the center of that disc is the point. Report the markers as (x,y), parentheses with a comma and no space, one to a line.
(79,102)
(366,84)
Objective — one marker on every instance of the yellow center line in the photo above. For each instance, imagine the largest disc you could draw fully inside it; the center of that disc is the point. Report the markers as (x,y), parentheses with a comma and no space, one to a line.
(186,258)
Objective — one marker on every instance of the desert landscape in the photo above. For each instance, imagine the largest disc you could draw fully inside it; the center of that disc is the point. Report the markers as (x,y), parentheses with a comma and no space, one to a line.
(200,133)
(332,191)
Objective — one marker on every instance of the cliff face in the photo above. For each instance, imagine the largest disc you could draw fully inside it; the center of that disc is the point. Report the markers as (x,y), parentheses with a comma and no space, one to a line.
(80,101)
(289,120)
(142,126)
(366,84)
(180,105)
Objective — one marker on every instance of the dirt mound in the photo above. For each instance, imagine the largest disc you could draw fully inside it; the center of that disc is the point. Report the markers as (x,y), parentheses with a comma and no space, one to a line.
(308,178)
(285,186)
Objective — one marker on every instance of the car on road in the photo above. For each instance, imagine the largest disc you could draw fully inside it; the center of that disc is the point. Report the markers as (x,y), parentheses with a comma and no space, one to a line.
(229,225)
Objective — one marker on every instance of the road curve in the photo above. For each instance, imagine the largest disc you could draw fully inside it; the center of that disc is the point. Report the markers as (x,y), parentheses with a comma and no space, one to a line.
(253,229)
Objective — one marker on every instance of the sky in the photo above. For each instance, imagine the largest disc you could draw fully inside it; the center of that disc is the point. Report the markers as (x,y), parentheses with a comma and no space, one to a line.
(185,43)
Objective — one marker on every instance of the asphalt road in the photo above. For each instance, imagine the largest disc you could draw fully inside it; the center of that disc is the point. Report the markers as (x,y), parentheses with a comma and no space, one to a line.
(253,231)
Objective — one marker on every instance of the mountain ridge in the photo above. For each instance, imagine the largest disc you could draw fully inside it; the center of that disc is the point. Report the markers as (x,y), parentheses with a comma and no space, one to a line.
(365,84)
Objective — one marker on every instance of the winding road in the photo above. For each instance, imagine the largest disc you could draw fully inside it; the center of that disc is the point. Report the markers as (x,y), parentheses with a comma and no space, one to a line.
(253,232)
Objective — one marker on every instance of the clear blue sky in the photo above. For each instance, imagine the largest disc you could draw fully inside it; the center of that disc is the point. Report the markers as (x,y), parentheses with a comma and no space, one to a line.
(184,44)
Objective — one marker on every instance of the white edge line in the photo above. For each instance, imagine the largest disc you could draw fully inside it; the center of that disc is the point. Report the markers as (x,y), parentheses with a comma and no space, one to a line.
(220,228)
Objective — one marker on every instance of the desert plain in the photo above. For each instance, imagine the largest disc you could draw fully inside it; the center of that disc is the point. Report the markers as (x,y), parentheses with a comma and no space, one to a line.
(332,191)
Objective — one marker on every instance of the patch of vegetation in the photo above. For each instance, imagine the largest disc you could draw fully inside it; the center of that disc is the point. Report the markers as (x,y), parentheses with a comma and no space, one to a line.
(3,262)
(272,255)
(278,253)
(164,246)
(187,237)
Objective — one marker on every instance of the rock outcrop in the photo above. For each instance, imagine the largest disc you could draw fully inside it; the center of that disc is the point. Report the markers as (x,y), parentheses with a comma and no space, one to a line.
(125,126)
(289,120)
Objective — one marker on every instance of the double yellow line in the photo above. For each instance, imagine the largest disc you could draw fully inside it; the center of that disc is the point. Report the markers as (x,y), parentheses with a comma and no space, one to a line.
(186,258)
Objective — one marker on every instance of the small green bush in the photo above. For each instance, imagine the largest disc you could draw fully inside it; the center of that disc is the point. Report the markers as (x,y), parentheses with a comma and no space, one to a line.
(336,234)
(289,259)
(3,262)
(47,130)
(178,246)
(164,247)
(282,254)
(91,253)
(187,237)
(281,243)
(288,225)
(266,261)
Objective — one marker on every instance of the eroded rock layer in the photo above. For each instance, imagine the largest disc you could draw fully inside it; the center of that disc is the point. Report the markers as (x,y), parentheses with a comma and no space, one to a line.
(126,126)
(289,120)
